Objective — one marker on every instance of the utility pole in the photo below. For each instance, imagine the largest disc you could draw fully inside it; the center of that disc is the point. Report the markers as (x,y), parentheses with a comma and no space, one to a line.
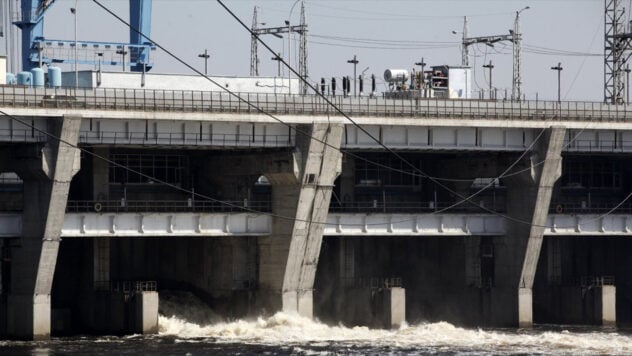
(559,76)
(490,66)
(205,55)
(517,37)
(254,57)
(277,31)
(74,12)
(627,83)
(465,52)
(422,64)
(278,59)
(355,62)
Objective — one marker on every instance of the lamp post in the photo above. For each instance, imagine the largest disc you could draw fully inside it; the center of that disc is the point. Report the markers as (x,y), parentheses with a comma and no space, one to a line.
(205,55)
(73,10)
(490,66)
(289,47)
(122,52)
(355,62)
(559,75)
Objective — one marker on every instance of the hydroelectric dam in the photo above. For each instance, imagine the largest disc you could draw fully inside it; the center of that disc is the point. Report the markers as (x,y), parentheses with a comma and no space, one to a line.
(475,212)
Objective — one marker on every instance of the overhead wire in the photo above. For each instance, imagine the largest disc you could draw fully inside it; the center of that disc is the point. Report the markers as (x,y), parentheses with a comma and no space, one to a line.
(365,131)
(315,90)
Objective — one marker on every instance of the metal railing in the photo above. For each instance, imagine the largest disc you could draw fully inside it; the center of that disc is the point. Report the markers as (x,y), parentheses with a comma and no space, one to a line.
(167,206)
(179,138)
(126,287)
(373,282)
(206,101)
(410,207)
(599,146)
(596,281)
(575,207)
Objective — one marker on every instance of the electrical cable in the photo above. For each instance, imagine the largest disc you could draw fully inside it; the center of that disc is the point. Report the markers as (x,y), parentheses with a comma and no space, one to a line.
(584,60)
(329,102)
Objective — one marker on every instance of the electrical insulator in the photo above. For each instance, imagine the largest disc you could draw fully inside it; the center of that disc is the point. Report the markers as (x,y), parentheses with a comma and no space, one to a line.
(373,83)
(322,86)
(361,81)
(333,86)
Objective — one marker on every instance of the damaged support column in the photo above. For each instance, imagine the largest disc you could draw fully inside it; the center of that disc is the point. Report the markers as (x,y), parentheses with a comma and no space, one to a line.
(301,193)
(47,175)
(550,151)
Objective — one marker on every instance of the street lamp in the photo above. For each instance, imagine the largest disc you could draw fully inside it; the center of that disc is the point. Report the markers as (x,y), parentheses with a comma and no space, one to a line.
(559,71)
(490,66)
(73,10)
(205,55)
(289,47)
(355,62)
(122,52)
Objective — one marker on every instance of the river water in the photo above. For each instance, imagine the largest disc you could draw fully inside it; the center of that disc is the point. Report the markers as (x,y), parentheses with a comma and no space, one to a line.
(189,328)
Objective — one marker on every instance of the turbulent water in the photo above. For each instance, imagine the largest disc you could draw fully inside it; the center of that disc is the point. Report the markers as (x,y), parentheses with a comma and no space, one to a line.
(187,326)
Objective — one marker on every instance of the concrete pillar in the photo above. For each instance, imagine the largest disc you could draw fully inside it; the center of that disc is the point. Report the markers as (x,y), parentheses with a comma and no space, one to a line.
(300,201)
(47,175)
(391,307)
(609,306)
(100,175)
(525,307)
(549,150)
(146,313)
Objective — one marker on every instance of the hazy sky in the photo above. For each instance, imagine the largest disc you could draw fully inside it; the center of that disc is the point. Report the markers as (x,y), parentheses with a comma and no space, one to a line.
(383,34)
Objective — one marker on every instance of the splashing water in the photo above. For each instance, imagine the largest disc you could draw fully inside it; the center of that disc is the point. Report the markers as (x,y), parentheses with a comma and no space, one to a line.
(284,329)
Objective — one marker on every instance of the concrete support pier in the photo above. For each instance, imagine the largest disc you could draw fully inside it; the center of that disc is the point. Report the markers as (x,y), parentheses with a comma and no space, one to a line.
(300,202)
(145,312)
(391,307)
(609,306)
(546,174)
(47,173)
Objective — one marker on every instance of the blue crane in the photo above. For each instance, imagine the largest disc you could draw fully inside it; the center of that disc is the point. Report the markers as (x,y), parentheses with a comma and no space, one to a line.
(38,50)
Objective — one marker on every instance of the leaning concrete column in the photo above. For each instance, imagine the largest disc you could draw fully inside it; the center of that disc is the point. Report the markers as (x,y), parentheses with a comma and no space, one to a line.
(46,184)
(288,258)
(551,150)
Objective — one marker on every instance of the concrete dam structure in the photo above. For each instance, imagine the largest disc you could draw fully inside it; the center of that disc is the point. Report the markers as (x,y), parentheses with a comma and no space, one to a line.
(480,213)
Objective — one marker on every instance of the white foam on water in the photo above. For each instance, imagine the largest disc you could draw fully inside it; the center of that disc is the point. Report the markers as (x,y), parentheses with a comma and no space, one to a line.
(283,329)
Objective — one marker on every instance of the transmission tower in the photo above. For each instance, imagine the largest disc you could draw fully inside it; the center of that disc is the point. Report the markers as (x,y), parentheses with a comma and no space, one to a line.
(514,37)
(254,57)
(302,62)
(301,29)
(617,51)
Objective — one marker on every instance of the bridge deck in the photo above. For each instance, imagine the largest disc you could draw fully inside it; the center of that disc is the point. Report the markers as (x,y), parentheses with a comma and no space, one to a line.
(200,101)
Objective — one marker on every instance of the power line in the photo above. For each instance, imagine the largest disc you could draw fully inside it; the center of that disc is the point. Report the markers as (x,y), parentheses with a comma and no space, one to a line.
(330,103)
